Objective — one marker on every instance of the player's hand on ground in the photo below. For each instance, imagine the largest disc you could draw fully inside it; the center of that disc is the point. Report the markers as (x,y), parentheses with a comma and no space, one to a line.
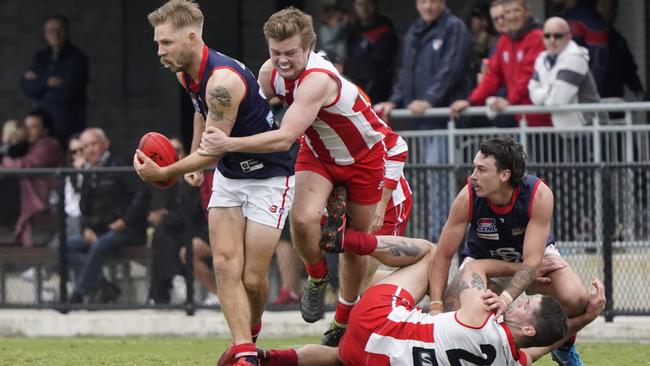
(195,179)
(550,264)
(596,302)
(456,107)
(147,169)
(494,302)
(213,142)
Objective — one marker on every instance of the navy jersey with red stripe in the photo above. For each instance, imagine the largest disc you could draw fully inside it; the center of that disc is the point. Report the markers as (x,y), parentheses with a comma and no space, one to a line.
(253,116)
(498,232)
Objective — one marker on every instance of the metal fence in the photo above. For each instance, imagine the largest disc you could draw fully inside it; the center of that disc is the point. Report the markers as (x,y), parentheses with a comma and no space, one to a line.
(599,175)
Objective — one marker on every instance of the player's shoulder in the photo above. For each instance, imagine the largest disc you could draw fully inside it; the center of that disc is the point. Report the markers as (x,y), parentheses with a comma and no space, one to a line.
(266,68)
(228,78)
(541,189)
(319,83)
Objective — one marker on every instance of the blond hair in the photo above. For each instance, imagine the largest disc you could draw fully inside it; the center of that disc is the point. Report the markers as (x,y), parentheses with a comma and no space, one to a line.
(181,13)
(13,132)
(288,22)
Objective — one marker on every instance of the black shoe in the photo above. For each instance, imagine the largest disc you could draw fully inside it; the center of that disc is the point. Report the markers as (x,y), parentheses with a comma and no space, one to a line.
(312,302)
(333,335)
(75,298)
(333,232)
(107,292)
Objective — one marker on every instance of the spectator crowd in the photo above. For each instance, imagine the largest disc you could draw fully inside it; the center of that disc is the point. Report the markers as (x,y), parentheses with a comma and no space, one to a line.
(499,56)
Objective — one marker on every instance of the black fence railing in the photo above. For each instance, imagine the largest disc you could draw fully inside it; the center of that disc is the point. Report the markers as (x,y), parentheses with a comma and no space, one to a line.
(601,220)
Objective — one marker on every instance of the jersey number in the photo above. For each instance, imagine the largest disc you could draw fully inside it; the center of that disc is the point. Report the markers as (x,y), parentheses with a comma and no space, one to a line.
(427,356)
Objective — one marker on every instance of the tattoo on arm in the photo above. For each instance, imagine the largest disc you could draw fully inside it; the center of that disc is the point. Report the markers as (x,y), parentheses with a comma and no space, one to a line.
(219,99)
(520,281)
(477,281)
(221,96)
(401,247)
(452,295)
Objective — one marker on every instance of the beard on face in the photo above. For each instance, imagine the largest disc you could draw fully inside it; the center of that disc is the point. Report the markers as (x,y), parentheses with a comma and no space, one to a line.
(181,64)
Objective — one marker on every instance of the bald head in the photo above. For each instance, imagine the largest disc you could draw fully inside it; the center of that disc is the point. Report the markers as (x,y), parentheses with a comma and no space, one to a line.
(556,35)
(556,24)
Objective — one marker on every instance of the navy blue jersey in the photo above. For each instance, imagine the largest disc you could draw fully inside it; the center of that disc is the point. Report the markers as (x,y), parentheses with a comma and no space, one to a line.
(497,232)
(253,116)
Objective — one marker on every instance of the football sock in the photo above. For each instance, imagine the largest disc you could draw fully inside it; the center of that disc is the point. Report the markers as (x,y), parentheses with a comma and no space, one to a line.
(359,242)
(317,270)
(343,309)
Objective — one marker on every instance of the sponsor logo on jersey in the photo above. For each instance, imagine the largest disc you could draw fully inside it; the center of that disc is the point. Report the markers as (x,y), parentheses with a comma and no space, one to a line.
(251,165)
(273,209)
(516,231)
(486,228)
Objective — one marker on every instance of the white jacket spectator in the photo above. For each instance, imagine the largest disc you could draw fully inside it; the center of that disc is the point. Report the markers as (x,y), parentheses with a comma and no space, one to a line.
(562,75)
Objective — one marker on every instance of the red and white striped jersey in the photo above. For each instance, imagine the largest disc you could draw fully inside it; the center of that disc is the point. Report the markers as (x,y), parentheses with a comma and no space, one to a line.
(411,338)
(396,154)
(344,131)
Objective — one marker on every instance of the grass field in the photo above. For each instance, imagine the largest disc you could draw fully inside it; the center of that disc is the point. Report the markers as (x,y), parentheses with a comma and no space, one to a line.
(134,351)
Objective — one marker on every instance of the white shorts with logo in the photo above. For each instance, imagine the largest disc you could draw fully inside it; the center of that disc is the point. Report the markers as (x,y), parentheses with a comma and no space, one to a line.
(265,201)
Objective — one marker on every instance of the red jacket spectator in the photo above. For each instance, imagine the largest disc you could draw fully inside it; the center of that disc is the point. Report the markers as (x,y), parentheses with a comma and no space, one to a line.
(512,65)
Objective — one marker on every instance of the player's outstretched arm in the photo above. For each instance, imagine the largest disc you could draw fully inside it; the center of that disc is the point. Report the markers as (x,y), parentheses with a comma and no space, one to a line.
(450,238)
(315,91)
(399,251)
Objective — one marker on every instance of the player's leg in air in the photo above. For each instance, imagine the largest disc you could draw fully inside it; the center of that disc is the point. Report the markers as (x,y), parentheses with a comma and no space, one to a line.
(352,242)
(312,192)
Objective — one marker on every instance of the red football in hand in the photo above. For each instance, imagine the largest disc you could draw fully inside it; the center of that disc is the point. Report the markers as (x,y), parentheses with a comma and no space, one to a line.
(158,147)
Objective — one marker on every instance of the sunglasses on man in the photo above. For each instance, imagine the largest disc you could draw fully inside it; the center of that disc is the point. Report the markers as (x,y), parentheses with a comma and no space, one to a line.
(554,35)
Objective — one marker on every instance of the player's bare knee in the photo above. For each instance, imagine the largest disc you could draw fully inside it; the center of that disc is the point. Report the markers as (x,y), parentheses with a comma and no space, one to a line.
(301,224)
(227,268)
(254,282)
(574,300)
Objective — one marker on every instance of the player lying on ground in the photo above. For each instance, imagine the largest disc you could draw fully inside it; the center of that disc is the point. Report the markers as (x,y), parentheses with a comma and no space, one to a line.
(386,329)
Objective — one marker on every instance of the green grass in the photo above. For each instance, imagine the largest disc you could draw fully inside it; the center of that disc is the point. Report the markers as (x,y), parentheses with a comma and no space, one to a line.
(134,351)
